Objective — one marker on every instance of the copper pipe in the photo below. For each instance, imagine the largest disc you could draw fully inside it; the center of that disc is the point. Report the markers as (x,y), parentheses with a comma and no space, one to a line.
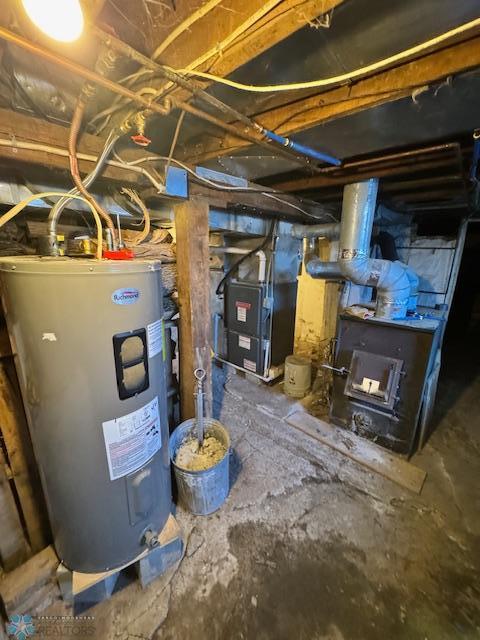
(72,153)
(412,154)
(300,185)
(97,79)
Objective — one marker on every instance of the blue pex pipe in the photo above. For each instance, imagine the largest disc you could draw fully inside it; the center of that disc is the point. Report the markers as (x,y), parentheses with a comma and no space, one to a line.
(302,149)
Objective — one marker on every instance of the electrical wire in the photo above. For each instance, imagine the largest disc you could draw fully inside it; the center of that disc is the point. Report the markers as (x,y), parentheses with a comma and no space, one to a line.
(58,151)
(134,197)
(222,187)
(11,213)
(263,10)
(174,142)
(133,166)
(60,205)
(345,77)
(183,26)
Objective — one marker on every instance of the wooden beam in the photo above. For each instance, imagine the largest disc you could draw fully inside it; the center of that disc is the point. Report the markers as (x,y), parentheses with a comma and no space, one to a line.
(235,32)
(18,127)
(16,437)
(380,88)
(193,283)
(256,203)
(376,170)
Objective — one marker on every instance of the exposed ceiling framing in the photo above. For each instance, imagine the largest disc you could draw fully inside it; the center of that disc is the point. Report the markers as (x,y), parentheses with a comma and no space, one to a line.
(386,86)
(225,37)
(409,179)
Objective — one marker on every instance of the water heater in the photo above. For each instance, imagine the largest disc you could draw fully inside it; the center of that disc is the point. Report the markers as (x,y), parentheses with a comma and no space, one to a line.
(88,339)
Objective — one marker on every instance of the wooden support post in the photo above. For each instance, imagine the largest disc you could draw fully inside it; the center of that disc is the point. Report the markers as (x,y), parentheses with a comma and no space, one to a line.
(15,433)
(193,281)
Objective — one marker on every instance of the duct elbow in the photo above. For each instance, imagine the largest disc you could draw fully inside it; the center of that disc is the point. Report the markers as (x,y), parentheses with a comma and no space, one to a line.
(262,265)
(391,279)
(356,268)
(393,291)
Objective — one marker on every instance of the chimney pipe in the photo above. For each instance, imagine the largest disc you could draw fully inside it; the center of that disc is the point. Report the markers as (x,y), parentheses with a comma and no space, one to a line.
(396,283)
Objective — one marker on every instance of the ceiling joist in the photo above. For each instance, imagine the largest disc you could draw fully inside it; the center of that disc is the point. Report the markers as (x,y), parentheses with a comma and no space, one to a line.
(231,34)
(372,91)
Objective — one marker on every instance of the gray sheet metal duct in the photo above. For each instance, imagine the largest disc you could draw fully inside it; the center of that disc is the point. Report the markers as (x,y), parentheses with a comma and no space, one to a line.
(330,230)
(327,270)
(391,279)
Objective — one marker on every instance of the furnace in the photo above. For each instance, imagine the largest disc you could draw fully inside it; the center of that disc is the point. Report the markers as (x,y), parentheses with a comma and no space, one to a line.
(380,373)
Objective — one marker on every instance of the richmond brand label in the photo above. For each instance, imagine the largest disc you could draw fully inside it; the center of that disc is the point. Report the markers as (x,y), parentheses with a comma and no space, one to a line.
(126,296)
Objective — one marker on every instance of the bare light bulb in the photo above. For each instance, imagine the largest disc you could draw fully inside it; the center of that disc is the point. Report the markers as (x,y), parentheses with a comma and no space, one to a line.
(58,19)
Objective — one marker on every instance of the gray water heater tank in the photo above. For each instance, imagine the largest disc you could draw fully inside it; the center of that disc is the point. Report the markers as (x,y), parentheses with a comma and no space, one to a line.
(88,339)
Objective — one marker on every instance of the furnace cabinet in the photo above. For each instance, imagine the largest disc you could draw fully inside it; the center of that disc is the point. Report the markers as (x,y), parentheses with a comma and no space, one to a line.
(382,368)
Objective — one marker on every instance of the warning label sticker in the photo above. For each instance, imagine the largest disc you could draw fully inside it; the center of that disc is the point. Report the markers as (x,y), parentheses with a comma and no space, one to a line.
(154,338)
(241,314)
(249,364)
(244,342)
(242,308)
(131,440)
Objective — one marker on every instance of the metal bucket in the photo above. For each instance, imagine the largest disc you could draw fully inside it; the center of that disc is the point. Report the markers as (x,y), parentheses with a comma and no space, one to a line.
(202,492)
(298,376)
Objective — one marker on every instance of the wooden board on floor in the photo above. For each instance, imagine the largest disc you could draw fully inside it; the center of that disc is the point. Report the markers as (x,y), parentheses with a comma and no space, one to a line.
(23,589)
(13,547)
(13,427)
(365,453)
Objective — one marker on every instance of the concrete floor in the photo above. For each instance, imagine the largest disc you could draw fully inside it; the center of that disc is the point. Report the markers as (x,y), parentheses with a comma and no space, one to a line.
(311,545)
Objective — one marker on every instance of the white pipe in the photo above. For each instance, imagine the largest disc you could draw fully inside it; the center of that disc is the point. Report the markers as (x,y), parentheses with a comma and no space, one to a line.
(262,258)
(229,250)
(262,265)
